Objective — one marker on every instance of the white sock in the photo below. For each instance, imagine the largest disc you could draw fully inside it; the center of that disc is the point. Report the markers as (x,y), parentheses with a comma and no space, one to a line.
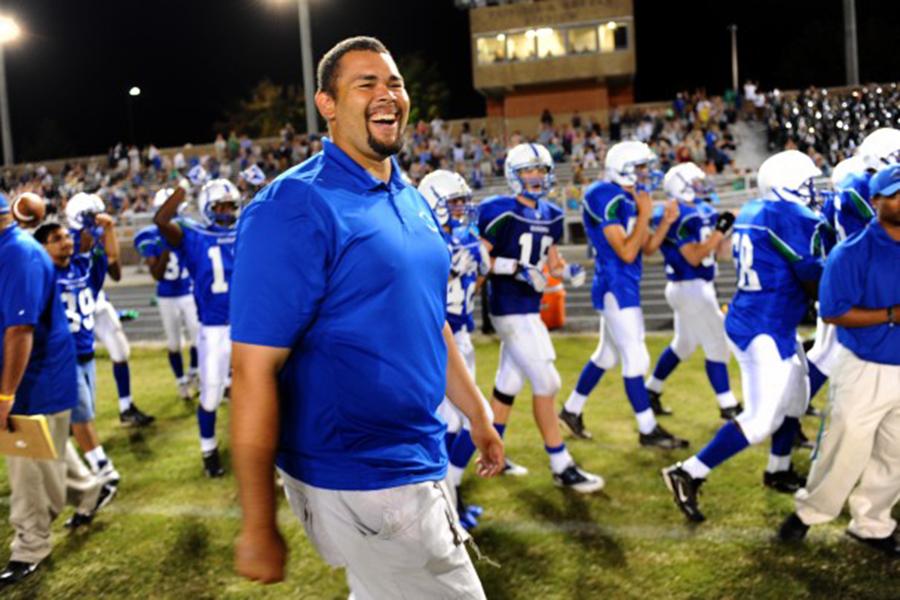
(207,445)
(183,380)
(726,400)
(695,468)
(124,403)
(559,461)
(654,385)
(95,457)
(575,403)
(646,421)
(455,475)
(778,463)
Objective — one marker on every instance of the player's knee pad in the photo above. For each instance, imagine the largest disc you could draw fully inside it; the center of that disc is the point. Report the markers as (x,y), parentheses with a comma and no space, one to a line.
(635,359)
(717,350)
(211,396)
(545,380)
(504,398)
(604,357)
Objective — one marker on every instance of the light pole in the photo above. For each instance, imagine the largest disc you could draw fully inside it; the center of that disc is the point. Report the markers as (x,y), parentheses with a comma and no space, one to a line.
(133,93)
(734,59)
(9,31)
(312,122)
(851,56)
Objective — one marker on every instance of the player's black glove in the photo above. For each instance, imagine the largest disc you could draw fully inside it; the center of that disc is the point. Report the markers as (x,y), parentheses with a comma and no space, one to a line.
(724,222)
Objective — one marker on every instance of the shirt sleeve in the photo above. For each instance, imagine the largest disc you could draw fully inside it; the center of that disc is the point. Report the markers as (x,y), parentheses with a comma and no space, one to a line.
(686,231)
(799,240)
(484,220)
(840,288)
(22,291)
(281,265)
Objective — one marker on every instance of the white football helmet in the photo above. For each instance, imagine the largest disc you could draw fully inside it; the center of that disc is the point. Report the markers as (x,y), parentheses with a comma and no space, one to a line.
(880,148)
(788,176)
(623,159)
(81,210)
(848,166)
(528,156)
(216,192)
(442,186)
(685,182)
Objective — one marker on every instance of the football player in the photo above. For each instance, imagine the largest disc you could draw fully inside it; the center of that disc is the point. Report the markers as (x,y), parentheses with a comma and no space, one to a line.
(520,233)
(617,220)
(779,254)
(689,250)
(79,278)
(107,326)
(174,298)
(848,211)
(450,198)
(208,252)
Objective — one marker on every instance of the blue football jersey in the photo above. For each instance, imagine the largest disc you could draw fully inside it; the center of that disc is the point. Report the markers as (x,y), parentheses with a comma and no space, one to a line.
(176,280)
(79,286)
(852,207)
(606,203)
(695,223)
(525,234)
(776,246)
(208,252)
(461,289)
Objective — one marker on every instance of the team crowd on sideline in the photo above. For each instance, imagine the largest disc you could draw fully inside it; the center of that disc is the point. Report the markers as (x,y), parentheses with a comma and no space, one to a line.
(792,245)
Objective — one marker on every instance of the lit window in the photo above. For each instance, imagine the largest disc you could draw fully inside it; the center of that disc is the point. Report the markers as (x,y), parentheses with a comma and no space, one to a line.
(491,49)
(582,40)
(613,36)
(550,43)
(521,46)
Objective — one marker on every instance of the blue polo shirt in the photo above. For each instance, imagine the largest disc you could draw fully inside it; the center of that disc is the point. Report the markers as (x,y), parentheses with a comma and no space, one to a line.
(864,271)
(28,297)
(350,273)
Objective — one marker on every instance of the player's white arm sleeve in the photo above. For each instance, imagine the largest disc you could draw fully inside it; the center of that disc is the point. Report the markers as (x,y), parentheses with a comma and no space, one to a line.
(505,266)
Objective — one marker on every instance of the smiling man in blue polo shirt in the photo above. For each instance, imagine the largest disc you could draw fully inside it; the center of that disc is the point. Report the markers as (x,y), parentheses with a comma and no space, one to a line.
(859,456)
(342,354)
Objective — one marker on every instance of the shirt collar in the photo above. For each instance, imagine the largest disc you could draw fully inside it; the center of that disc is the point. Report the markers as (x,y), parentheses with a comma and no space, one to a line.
(357,176)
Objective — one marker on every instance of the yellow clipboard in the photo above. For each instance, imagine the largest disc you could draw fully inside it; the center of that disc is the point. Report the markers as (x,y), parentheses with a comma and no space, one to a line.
(30,438)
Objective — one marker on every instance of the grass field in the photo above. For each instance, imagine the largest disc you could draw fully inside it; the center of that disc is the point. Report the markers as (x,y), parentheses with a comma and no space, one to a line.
(169,532)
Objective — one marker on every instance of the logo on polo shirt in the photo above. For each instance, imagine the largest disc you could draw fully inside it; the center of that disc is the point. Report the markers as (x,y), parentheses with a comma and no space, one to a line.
(429,221)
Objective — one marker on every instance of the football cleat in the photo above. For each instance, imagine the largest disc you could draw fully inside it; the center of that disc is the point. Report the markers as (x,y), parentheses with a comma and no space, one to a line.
(184,391)
(576,479)
(890,545)
(685,490)
(656,404)
(514,470)
(212,466)
(730,412)
(792,529)
(107,474)
(660,438)
(575,423)
(133,417)
(15,571)
(786,482)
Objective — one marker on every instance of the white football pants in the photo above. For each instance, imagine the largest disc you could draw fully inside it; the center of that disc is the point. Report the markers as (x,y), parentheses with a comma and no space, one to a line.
(214,355)
(698,320)
(621,337)
(179,314)
(824,353)
(526,352)
(108,330)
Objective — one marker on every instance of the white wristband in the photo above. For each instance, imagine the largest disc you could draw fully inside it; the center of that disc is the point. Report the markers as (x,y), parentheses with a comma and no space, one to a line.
(505,266)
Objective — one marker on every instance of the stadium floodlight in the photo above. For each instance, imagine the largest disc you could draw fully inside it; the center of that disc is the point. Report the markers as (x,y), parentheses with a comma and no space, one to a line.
(611,25)
(134,91)
(501,37)
(9,32)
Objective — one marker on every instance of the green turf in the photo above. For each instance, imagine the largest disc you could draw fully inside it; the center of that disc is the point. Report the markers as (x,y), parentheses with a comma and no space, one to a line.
(169,533)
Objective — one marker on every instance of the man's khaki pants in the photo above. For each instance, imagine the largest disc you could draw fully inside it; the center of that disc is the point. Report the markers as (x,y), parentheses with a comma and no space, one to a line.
(861,444)
(396,543)
(39,490)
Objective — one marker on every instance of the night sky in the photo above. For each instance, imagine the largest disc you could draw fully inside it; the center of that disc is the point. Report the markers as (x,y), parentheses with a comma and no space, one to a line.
(68,76)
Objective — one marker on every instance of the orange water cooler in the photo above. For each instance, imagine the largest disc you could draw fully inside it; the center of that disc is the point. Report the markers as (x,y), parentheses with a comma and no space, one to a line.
(553,303)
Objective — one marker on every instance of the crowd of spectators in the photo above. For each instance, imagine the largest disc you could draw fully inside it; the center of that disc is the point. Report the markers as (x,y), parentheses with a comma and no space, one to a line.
(829,125)
(693,128)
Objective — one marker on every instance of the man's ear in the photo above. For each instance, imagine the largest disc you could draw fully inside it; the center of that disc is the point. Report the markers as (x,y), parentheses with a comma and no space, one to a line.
(326,105)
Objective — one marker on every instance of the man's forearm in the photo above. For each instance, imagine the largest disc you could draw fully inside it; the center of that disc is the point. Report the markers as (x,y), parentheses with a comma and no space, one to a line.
(863,317)
(17,343)
(461,388)
(254,437)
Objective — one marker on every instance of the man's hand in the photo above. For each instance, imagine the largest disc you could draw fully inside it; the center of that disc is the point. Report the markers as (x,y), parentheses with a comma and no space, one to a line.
(533,277)
(670,212)
(490,447)
(724,222)
(644,203)
(260,554)
(574,274)
(105,221)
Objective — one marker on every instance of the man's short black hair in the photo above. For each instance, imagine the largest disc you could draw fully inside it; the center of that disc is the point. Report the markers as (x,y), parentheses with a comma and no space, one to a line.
(42,233)
(327,72)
